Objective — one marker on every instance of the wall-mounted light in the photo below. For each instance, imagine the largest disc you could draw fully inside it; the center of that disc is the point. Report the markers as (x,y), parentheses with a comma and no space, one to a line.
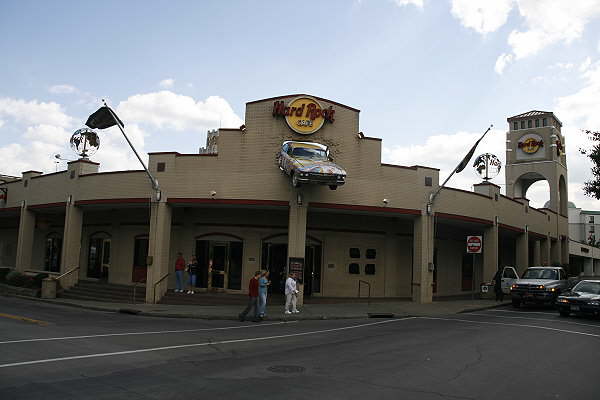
(243,128)
(213,194)
(385,202)
(69,199)
(360,135)
(299,199)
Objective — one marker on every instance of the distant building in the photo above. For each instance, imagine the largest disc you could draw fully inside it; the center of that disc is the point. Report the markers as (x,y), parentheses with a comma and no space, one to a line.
(584,225)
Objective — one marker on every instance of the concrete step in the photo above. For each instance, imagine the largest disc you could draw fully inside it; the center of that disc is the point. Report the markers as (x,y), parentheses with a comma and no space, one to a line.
(76,296)
(101,291)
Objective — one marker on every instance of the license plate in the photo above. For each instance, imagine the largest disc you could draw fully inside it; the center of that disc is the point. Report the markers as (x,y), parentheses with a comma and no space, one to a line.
(574,308)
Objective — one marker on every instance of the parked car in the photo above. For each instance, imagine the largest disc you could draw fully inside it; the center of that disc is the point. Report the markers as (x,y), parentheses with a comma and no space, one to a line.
(509,277)
(583,298)
(540,285)
(307,162)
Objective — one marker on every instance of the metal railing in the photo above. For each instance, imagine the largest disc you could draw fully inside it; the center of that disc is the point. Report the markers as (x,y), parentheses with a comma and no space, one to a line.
(156,284)
(69,272)
(368,285)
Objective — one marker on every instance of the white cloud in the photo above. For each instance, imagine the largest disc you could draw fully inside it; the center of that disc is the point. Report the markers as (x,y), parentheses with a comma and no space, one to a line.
(585,64)
(1,123)
(546,22)
(166,83)
(502,61)
(47,134)
(482,16)
(561,65)
(416,3)
(62,89)
(34,112)
(166,109)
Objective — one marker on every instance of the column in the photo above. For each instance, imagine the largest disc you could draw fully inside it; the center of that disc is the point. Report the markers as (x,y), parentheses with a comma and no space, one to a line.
(297,233)
(545,251)
(71,246)
(25,239)
(522,252)
(555,252)
(159,243)
(564,251)
(490,253)
(537,252)
(422,292)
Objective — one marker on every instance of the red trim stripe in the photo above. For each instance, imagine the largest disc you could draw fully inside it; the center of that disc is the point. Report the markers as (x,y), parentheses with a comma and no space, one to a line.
(511,228)
(246,202)
(133,200)
(464,218)
(9,209)
(351,207)
(48,205)
(537,235)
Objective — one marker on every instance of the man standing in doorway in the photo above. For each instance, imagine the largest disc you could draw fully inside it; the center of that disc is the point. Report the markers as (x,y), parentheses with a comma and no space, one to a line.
(291,294)
(252,299)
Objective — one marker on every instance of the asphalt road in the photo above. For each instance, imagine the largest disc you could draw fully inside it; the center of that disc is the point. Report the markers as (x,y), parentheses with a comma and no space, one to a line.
(56,352)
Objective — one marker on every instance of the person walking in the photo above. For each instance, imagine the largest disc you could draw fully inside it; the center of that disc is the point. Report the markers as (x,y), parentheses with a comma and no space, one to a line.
(291,294)
(252,299)
(192,269)
(498,285)
(263,285)
(179,268)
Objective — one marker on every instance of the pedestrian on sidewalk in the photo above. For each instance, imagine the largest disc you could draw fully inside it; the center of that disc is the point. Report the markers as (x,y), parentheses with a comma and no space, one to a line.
(192,269)
(291,294)
(498,285)
(263,285)
(179,268)
(252,299)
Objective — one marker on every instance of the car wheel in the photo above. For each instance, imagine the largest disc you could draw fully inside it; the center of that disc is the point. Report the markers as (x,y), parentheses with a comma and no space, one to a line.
(295,182)
(564,313)
(516,303)
(333,187)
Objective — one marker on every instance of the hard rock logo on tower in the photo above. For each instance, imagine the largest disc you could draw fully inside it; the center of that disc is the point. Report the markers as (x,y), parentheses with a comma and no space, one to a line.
(304,114)
(531,145)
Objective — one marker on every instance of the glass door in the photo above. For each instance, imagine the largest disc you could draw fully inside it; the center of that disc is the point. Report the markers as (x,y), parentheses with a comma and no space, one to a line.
(219,266)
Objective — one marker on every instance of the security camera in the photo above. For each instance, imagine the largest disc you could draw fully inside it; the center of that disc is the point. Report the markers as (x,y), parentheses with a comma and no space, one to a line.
(385,201)
(213,193)
(57,156)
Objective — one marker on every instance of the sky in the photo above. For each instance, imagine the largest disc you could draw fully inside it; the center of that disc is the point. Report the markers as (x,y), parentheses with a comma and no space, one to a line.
(429,76)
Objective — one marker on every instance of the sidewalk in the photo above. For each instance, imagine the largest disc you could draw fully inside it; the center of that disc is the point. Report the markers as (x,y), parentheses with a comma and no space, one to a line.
(275,312)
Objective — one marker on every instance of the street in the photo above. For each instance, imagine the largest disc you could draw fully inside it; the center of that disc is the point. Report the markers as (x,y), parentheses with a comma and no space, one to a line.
(56,352)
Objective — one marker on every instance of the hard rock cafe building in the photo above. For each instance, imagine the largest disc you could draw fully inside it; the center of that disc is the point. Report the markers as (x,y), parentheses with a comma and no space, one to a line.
(232,204)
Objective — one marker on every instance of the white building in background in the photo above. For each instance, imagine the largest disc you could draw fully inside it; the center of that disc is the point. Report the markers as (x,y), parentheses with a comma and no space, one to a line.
(584,232)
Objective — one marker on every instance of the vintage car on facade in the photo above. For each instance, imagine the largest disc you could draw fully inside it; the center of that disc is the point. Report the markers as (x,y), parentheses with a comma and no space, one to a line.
(583,298)
(540,285)
(307,162)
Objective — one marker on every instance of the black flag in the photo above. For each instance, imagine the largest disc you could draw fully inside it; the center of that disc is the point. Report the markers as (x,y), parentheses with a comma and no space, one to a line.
(467,158)
(103,118)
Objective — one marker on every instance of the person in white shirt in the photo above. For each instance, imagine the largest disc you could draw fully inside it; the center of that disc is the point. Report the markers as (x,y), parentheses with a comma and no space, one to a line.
(291,294)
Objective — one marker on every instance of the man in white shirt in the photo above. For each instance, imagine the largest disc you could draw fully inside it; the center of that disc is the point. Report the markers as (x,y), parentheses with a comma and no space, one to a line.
(291,294)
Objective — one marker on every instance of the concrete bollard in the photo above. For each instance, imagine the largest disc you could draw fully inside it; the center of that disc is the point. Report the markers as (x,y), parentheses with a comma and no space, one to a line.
(49,288)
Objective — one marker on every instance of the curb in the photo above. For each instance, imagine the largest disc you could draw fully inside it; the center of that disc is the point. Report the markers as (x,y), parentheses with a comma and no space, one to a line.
(483,308)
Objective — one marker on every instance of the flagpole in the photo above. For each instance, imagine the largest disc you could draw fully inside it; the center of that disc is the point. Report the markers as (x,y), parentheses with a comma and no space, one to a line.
(153,180)
(433,195)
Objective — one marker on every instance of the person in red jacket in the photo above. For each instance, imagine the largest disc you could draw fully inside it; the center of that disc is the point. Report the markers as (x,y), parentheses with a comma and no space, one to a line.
(252,299)
(179,268)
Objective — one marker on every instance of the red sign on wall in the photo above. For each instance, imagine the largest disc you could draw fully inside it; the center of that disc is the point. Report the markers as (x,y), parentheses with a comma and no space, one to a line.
(474,244)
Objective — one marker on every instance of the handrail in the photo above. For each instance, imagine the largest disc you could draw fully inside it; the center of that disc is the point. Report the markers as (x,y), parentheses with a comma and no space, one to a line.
(368,285)
(154,289)
(66,273)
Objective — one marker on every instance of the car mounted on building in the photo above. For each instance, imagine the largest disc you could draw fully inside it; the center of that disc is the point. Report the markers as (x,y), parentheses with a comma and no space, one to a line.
(307,162)
(583,298)
(540,285)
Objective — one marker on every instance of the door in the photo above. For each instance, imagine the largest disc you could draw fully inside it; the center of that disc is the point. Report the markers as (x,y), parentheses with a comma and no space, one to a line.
(140,253)
(98,258)
(312,270)
(509,276)
(274,260)
(219,268)
(467,272)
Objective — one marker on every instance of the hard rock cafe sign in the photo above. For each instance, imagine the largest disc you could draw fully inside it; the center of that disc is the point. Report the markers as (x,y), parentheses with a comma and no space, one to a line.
(530,144)
(304,114)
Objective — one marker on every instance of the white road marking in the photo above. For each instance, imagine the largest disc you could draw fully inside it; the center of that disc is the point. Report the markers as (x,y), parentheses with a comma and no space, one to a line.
(510,324)
(522,312)
(144,333)
(183,346)
(561,320)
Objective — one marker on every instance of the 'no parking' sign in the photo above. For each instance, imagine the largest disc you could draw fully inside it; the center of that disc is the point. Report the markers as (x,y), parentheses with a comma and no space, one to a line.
(474,244)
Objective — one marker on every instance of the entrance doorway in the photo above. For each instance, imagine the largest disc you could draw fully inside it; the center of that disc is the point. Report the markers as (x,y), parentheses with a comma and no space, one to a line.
(140,255)
(226,257)
(99,256)
(275,260)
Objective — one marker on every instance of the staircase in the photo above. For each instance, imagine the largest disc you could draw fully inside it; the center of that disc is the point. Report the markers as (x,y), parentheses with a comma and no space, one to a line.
(107,292)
